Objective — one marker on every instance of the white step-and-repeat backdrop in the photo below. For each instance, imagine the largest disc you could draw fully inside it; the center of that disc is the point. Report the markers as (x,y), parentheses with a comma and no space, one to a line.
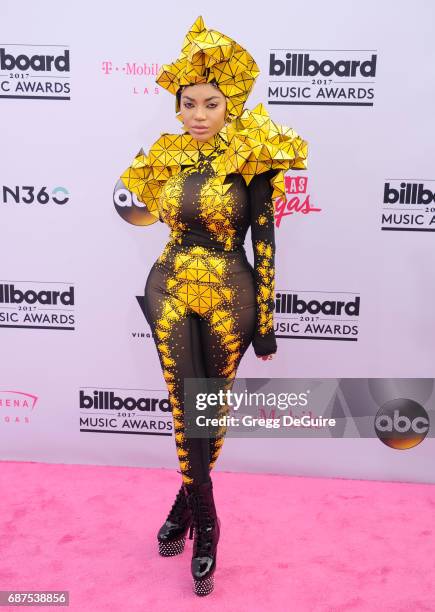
(78,363)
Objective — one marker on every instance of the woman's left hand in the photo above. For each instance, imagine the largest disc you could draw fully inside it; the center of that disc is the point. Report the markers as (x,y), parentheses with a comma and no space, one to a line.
(266,357)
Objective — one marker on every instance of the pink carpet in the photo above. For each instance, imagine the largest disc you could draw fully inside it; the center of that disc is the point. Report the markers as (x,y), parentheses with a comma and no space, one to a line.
(287,543)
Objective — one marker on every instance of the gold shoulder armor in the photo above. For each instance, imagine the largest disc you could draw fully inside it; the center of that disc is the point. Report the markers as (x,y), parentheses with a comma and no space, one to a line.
(257,144)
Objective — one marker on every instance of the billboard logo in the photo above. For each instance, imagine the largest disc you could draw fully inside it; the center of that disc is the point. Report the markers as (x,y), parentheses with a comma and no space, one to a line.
(322,77)
(317,315)
(31,305)
(128,411)
(408,205)
(35,72)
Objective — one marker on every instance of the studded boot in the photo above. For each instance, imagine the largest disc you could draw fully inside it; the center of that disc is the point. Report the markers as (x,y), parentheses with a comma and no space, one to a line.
(172,534)
(206,526)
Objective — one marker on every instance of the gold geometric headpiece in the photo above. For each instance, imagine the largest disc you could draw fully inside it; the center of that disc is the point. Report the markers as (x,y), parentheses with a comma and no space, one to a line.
(209,56)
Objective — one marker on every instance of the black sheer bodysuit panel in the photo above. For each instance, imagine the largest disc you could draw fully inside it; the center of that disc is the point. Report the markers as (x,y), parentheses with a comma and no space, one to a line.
(205,303)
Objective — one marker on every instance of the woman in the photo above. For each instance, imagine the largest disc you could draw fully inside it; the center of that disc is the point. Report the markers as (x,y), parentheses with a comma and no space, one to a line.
(204,301)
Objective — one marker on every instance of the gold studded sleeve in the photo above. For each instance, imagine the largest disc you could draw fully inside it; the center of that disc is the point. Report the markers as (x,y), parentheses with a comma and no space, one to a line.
(262,214)
(141,179)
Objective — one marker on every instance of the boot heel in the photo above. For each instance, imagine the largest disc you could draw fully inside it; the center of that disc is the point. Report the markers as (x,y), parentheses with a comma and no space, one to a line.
(203,587)
(206,527)
(172,534)
(170,549)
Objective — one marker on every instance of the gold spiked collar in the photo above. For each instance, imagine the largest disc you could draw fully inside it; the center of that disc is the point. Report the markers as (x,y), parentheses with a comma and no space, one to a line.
(249,145)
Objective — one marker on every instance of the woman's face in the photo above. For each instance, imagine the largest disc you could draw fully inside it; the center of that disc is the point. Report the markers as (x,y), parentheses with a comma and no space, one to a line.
(202,108)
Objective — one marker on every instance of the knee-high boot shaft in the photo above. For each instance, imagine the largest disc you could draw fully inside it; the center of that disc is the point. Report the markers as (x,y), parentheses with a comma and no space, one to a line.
(206,526)
(172,534)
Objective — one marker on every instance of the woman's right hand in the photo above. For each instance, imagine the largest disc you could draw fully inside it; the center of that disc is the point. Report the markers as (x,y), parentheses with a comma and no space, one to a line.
(266,357)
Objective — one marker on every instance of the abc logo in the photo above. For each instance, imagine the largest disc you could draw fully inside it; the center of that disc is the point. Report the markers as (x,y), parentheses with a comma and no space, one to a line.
(129,207)
(401,423)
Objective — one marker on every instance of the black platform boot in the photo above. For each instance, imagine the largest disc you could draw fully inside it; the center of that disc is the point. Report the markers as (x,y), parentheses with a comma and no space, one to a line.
(172,534)
(206,525)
